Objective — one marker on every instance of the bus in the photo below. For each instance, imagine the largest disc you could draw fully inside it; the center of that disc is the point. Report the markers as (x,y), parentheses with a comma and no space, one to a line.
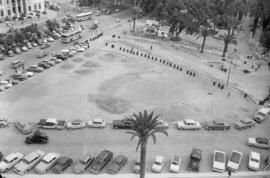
(84,16)
(72,34)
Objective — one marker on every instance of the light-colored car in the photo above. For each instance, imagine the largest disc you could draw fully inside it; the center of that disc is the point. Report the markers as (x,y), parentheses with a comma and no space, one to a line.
(162,124)
(28,162)
(50,39)
(137,165)
(47,162)
(76,124)
(27,73)
(261,115)
(72,52)
(259,142)
(24,49)
(244,124)
(44,40)
(189,124)
(79,49)
(82,165)
(97,123)
(3,122)
(175,164)
(10,161)
(24,128)
(234,160)
(219,161)
(158,164)
(254,161)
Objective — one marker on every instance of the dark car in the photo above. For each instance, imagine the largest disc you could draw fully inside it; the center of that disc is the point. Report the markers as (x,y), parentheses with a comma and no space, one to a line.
(37,137)
(18,76)
(62,164)
(117,163)
(44,46)
(100,162)
(122,124)
(194,160)
(61,56)
(44,65)
(83,164)
(216,125)
(35,69)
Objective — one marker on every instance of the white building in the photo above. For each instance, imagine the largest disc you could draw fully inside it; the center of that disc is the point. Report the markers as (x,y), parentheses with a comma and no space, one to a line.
(163,31)
(17,7)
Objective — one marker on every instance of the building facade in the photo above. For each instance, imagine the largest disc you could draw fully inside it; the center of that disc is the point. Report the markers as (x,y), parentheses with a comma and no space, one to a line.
(17,7)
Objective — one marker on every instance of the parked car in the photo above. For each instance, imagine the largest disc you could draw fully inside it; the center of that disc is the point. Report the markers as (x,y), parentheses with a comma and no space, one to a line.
(259,142)
(61,56)
(80,49)
(137,166)
(189,124)
(234,160)
(42,54)
(158,164)
(6,84)
(47,162)
(2,57)
(62,164)
(83,164)
(24,128)
(34,44)
(162,124)
(194,160)
(44,65)
(12,81)
(3,122)
(44,46)
(50,63)
(51,123)
(261,115)
(10,161)
(219,161)
(254,161)
(29,45)
(117,163)
(16,64)
(37,137)
(101,161)
(45,40)
(17,50)
(122,124)
(24,49)
(28,162)
(76,124)
(175,164)
(216,125)
(10,53)
(97,123)
(244,124)
(35,68)
(56,60)
(50,39)
(26,73)
(19,77)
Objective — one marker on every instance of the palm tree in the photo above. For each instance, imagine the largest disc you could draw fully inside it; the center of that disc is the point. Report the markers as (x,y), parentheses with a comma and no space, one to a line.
(144,125)
(227,39)
(204,33)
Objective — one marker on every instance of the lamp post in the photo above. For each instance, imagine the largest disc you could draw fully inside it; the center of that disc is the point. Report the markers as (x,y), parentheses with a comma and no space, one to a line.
(229,73)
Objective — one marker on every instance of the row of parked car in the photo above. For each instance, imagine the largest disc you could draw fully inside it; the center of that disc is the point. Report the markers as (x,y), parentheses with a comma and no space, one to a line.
(42,162)
(19,76)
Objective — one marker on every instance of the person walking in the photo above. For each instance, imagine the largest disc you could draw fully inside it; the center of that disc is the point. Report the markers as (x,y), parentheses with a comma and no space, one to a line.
(266,161)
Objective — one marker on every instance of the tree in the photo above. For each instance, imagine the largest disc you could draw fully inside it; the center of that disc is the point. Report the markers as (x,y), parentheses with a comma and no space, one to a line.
(228,38)
(204,32)
(144,125)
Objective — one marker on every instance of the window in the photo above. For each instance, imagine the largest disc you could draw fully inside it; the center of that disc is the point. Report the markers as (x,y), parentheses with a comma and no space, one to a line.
(35,6)
(13,9)
(7,1)
(1,3)
(1,12)
(39,6)
(29,8)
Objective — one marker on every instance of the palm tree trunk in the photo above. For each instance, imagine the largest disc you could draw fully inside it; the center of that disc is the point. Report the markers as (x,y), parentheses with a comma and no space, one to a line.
(225,49)
(204,38)
(143,159)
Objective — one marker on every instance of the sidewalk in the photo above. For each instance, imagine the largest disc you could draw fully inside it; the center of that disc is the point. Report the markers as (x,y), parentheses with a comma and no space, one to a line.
(261,174)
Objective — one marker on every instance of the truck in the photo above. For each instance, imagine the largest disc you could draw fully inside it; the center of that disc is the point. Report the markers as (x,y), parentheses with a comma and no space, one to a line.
(122,124)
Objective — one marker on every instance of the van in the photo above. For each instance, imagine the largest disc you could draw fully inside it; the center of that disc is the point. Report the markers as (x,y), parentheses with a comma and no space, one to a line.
(16,64)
